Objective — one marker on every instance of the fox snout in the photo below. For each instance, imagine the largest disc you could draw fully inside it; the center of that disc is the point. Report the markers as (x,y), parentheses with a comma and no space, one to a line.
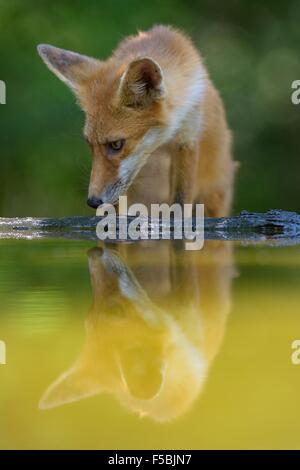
(105,185)
(94,202)
(108,194)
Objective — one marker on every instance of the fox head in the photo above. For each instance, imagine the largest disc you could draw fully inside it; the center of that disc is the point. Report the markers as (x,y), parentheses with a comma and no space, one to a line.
(152,355)
(124,105)
(134,350)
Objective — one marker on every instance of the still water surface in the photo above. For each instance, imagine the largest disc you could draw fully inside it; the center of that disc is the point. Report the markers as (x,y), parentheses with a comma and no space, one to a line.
(148,346)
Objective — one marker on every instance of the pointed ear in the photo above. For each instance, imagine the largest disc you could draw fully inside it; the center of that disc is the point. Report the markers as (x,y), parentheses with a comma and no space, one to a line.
(70,67)
(73,385)
(142,83)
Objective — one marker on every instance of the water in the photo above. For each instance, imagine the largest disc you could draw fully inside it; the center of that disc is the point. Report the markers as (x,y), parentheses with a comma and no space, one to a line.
(148,345)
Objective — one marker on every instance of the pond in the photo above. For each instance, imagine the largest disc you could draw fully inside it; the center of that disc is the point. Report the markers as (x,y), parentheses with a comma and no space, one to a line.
(147,345)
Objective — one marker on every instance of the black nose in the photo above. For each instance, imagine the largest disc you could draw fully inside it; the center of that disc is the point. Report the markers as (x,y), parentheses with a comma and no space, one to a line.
(94,202)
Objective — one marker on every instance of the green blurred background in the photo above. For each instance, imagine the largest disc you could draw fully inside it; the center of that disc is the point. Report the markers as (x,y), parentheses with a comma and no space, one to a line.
(251,49)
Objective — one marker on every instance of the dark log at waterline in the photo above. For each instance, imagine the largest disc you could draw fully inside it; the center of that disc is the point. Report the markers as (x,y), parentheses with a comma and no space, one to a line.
(275,226)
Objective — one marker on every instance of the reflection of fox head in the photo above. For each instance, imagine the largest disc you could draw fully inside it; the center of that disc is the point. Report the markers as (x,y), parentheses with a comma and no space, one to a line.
(153,360)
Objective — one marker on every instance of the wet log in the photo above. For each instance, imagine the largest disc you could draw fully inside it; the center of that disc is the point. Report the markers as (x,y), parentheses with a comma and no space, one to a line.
(275,227)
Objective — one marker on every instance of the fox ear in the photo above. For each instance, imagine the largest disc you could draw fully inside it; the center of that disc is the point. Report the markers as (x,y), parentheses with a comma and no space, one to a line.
(73,385)
(142,83)
(70,67)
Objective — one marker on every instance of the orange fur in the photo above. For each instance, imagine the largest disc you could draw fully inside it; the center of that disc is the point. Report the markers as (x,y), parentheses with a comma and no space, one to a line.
(153,330)
(154,95)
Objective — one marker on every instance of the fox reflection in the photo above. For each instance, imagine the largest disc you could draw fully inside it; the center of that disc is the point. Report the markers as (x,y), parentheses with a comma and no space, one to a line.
(156,323)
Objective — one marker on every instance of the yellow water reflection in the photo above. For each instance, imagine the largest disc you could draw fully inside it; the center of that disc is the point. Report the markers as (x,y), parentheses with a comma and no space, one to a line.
(152,331)
(148,346)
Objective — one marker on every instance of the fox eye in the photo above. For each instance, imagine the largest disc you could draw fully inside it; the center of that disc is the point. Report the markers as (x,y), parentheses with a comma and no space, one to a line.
(114,147)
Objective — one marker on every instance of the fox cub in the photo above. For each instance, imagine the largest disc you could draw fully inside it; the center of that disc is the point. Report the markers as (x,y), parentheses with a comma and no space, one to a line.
(155,123)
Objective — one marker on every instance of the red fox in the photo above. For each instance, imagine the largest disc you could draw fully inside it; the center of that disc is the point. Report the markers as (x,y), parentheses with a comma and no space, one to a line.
(154,122)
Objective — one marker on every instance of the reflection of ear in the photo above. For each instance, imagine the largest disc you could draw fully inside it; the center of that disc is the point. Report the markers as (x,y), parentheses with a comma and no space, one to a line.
(142,83)
(142,372)
(69,67)
(183,373)
(71,386)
